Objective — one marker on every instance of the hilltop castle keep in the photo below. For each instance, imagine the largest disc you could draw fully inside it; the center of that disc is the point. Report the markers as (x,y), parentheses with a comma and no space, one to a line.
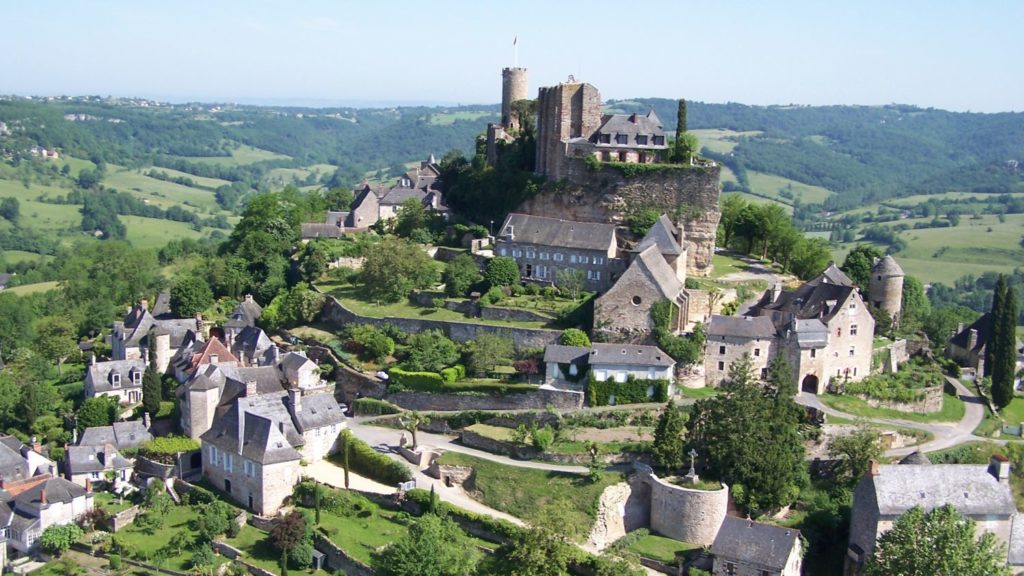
(590,153)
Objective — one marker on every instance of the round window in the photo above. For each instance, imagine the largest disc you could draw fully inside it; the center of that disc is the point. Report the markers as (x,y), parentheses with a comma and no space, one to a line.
(636,300)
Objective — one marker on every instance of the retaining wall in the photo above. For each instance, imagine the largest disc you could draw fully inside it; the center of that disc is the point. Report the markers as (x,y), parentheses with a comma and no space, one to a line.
(534,400)
(931,402)
(513,449)
(683,513)
(123,518)
(337,559)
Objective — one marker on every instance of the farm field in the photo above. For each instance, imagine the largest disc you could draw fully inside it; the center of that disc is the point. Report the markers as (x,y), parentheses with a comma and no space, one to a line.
(159,192)
(771,185)
(719,140)
(153,233)
(200,180)
(32,288)
(16,256)
(239,157)
(761,200)
(448,118)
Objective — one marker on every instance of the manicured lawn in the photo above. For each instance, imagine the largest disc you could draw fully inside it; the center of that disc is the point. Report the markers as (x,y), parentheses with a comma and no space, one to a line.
(111,503)
(952,409)
(494,432)
(726,263)
(522,492)
(698,393)
(1014,412)
(260,552)
(147,545)
(660,548)
(365,532)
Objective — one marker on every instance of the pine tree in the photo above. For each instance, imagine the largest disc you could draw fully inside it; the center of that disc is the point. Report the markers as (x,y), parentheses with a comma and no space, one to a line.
(780,375)
(1004,358)
(668,438)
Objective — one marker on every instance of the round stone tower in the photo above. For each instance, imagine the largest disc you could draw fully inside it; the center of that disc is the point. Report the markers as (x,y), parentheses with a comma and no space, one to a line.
(514,86)
(886,287)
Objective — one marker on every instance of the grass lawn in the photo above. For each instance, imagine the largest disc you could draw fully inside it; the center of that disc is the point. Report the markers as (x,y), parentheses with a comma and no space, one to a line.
(111,503)
(726,263)
(952,409)
(260,552)
(239,157)
(1014,412)
(697,393)
(365,532)
(660,548)
(26,289)
(16,256)
(920,435)
(148,544)
(522,492)
(493,432)
(755,199)
(352,298)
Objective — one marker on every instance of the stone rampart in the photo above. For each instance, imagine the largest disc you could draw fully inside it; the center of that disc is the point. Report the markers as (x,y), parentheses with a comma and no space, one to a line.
(512,449)
(684,513)
(931,401)
(515,314)
(450,474)
(534,400)
(265,523)
(337,314)
(226,550)
(351,384)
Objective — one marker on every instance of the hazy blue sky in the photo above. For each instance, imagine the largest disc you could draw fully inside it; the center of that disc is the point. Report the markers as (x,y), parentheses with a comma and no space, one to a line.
(953,55)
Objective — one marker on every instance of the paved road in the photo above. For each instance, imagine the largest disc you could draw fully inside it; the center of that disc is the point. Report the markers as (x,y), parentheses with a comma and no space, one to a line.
(946,434)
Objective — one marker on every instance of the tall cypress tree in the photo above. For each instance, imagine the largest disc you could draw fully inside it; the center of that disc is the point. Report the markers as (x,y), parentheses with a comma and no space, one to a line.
(998,298)
(679,152)
(152,387)
(1004,361)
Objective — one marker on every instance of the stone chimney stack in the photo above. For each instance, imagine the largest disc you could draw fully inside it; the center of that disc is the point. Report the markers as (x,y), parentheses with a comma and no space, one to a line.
(42,496)
(88,484)
(146,420)
(250,388)
(36,446)
(92,359)
(972,339)
(108,454)
(199,324)
(214,358)
(999,468)
(873,469)
(248,297)
(776,291)
(295,398)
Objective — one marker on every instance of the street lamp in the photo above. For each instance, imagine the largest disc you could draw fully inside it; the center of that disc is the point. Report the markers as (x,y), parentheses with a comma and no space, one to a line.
(491,228)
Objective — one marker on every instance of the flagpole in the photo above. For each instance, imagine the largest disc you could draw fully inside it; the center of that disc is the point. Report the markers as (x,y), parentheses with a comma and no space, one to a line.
(515,51)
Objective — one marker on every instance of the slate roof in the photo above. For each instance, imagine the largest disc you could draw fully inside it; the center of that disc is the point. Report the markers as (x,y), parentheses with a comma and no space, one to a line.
(816,299)
(759,327)
(336,218)
(396,196)
(162,306)
(121,435)
(629,354)
(1015,556)
(249,342)
(317,230)
(138,322)
(970,488)
(248,311)
(833,275)
(887,266)
(13,465)
(543,231)
(318,411)
(754,543)
(85,459)
(264,441)
(810,333)
(100,374)
(651,263)
(662,235)
(57,490)
(632,125)
(984,327)
(566,354)
(916,458)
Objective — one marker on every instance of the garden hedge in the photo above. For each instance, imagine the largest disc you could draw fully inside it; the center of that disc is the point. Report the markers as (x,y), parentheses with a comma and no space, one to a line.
(373,407)
(399,379)
(632,391)
(366,461)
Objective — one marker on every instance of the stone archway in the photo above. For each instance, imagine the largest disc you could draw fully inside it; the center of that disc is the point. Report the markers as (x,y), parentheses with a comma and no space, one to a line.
(809,384)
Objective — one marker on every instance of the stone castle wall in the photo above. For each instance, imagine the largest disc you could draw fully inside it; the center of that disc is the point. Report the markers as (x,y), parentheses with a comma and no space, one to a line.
(689,194)
(685,514)
(540,399)
(514,86)
(565,111)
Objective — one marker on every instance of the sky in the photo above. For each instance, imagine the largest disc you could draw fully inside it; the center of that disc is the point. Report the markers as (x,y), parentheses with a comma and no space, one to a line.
(951,55)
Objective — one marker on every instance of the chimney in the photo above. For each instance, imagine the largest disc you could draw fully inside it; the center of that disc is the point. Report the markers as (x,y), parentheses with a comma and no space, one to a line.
(776,291)
(74,436)
(108,454)
(36,446)
(214,358)
(88,484)
(280,427)
(144,304)
(972,339)
(275,354)
(295,398)
(250,388)
(873,468)
(241,425)
(199,323)
(999,468)
(146,420)
(92,360)
(248,297)
(42,495)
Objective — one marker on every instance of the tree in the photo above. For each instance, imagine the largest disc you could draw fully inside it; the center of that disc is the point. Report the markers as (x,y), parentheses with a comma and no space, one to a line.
(55,339)
(411,216)
(314,260)
(574,337)
(56,539)
(502,271)
(780,376)
(345,449)
(152,389)
(915,306)
(190,295)
(751,439)
(215,520)
(287,535)
(1003,343)
(570,280)
(543,549)
(858,264)
(852,453)
(489,350)
(298,305)
(97,411)
(460,274)
(431,351)
(668,444)
(941,541)
(203,559)
(10,209)
(393,267)
(434,546)
(411,422)
(732,208)
(941,322)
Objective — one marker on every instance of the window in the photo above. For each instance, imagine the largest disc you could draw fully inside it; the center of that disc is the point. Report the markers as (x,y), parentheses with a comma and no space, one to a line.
(765,573)
(590,274)
(620,377)
(544,256)
(764,373)
(517,253)
(606,138)
(730,568)
(502,252)
(636,300)
(597,274)
(606,156)
(136,378)
(622,156)
(852,352)
(757,352)
(641,140)
(531,254)
(600,375)
(572,258)
(541,271)
(250,468)
(115,379)
(814,353)
(213,455)
(852,306)
(584,259)
(659,140)
(228,462)
(853,329)
(598,259)
(721,349)
(839,331)
(529,271)
(559,257)
(721,365)
(95,475)
(622,138)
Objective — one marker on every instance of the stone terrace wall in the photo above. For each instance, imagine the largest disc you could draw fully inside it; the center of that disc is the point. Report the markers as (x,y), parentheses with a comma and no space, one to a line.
(607,195)
(123,518)
(337,559)
(538,400)
(337,314)
(518,451)
(686,514)
(932,402)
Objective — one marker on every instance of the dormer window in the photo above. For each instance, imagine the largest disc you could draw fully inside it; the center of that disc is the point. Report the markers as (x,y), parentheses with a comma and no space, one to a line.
(659,140)
(641,140)
(622,138)
(115,379)
(606,138)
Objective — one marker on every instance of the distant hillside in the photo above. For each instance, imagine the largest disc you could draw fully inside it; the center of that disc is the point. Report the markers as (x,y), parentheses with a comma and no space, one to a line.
(863,153)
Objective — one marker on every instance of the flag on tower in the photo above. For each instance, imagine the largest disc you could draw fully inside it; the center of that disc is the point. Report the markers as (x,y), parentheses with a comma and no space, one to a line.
(515,39)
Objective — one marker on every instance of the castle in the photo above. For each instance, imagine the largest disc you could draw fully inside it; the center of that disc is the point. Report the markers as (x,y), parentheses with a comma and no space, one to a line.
(585,151)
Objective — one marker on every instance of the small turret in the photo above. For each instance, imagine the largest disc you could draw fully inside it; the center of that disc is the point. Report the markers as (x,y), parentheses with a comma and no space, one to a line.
(886,287)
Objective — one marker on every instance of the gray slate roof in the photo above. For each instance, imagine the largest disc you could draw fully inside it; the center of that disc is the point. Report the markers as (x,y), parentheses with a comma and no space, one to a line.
(662,235)
(811,300)
(57,490)
(833,275)
(650,262)
(759,327)
(754,543)
(632,125)
(971,489)
(542,231)
(318,411)
(13,465)
(629,354)
(101,373)
(248,311)
(887,266)
(264,442)
(316,230)
(396,196)
(566,354)
(810,333)
(984,327)
(85,459)
(121,435)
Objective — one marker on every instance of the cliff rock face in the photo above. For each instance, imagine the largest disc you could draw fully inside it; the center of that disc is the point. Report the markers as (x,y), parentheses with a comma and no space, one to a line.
(688,194)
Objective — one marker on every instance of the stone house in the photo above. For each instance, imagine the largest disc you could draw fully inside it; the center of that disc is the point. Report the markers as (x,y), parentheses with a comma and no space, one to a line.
(748,548)
(730,337)
(19,461)
(121,379)
(969,345)
(129,339)
(86,464)
(542,246)
(122,435)
(624,311)
(627,138)
(607,362)
(253,449)
(30,506)
(979,492)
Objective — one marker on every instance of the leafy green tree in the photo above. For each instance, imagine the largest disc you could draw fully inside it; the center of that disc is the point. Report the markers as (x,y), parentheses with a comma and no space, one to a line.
(314,260)
(203,559)
(488,351)
(10,209)
(732,207)
(214,521)
(502,271)
(810,257)
(288,535)
(393,267)
(460,274)
(858,263)
(751,440)
(410,216)
(339,198)
(545,548)
(942,321)
(56,339)
(434,546)
(780,376)
(411,422)
(298,305)
(852,453)
(57,538)
(668,444)
(570,280)
(640,222)
(915,306)
(431,351)
(16,322)
(97,411)
(574,337)
(941,541)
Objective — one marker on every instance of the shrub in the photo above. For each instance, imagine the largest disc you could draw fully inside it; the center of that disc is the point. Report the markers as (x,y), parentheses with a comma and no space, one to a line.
(164,449)
(542,438)
(399,379)
(366,461)
(115,561)
(373,407)
(494,295)
(370,341)
(500,528)
(502,271)
(574,337)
